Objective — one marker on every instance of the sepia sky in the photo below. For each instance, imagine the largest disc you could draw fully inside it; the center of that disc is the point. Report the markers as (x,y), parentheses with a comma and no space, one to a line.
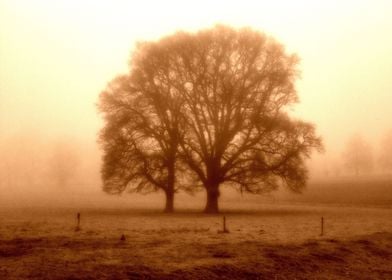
(56,57)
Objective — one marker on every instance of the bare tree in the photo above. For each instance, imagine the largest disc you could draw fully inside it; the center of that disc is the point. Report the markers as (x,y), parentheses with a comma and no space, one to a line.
(358,156)
(217,101)
(141,135)
(385,158)
(234,87)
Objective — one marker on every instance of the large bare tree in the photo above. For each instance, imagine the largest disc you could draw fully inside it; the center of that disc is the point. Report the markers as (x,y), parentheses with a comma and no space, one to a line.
(234,87)
(219,100)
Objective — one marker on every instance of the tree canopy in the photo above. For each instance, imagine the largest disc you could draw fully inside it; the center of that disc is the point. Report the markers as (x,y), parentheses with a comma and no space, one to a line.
(218,100)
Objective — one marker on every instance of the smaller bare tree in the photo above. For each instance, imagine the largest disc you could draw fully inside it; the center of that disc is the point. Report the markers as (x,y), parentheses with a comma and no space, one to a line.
(141,135)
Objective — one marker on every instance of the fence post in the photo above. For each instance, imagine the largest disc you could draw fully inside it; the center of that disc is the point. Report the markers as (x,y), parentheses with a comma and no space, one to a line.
(322,226)
(78,222)
(224,225)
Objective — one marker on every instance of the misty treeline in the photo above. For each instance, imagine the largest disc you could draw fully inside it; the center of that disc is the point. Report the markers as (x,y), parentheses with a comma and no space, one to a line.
(359,156)
(198,111)
(32,163)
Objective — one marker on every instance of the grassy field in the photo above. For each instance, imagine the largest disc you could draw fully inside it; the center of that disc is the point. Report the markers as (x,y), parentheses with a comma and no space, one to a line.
(365,191)
(272,241)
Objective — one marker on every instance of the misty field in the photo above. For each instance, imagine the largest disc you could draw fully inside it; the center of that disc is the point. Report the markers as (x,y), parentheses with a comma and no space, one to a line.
(264,241)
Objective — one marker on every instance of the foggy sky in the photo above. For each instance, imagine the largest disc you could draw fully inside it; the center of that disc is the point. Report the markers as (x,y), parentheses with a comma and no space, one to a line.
(57,56)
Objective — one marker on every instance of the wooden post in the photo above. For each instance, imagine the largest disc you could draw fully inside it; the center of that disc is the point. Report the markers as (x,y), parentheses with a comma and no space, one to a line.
(224,225)
(78,222)
(225,230)
(322,226)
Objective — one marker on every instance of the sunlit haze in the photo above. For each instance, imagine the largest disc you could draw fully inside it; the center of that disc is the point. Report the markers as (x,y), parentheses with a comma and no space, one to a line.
(195,164)
(57,56)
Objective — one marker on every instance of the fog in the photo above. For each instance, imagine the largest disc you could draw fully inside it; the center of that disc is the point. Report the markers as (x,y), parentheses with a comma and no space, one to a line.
(56,57)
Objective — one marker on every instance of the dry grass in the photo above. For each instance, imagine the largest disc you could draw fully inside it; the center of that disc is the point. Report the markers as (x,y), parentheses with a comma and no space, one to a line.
(273,242)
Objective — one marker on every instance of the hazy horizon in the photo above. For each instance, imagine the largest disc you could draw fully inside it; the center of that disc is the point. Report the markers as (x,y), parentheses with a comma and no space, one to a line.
(57,56)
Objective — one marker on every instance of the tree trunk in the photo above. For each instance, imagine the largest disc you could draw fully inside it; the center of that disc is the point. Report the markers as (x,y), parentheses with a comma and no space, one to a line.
(212,200)
(169,206)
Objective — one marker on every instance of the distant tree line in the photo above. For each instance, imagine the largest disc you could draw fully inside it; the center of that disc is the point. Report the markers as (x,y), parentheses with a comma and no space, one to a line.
(202,110)
(29,161)
(359,156)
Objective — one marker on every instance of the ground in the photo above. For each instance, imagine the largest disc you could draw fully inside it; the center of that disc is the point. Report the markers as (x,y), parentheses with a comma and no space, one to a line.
(266,242)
